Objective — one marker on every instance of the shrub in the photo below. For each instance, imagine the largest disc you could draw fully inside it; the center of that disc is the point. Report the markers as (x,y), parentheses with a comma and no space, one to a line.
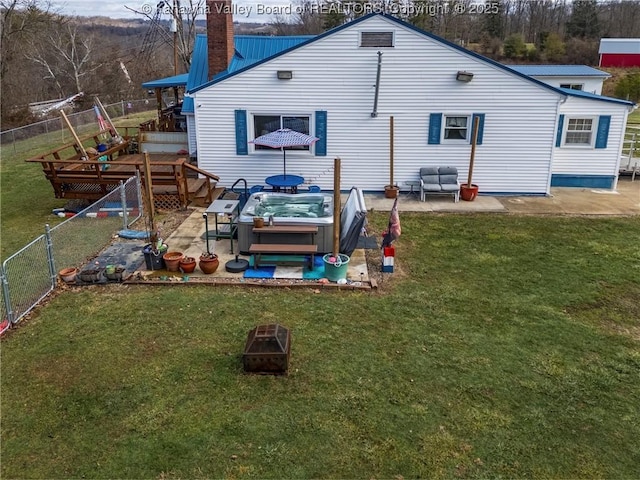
(628,87)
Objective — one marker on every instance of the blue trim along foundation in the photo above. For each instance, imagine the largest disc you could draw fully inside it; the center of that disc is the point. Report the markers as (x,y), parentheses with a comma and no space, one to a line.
(584,181)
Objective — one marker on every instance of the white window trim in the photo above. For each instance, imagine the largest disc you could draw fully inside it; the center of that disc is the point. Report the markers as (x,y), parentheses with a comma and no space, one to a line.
(271,151)
(594,131)
(458,141)
(393,37)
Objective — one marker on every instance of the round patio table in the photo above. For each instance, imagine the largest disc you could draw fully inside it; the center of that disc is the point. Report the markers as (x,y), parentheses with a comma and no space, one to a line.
(285,182)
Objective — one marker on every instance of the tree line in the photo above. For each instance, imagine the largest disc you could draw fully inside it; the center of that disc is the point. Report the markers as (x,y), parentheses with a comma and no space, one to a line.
(45,55)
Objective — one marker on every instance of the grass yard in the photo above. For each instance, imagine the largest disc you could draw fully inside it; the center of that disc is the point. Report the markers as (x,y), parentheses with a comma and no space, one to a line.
(502,347)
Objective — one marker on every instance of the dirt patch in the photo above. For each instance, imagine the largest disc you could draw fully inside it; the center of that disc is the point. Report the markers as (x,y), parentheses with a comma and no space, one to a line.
(617,311)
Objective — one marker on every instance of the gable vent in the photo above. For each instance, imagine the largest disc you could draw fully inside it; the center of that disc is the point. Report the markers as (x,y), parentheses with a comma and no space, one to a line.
(376,39)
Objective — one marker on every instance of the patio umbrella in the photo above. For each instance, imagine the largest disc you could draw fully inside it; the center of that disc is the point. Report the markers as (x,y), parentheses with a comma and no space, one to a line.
(283,138)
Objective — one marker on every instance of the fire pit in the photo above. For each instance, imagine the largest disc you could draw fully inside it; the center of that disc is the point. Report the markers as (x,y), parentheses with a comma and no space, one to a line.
(267,350)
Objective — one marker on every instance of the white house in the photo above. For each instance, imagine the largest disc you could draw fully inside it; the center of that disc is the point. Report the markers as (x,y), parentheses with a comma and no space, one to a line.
(344,85)
(576,77)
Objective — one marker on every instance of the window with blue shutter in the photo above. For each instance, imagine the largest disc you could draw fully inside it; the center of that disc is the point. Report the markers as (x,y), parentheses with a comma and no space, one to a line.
(480,127)
(602,134)
(321,133)
(242,147)
(435,125)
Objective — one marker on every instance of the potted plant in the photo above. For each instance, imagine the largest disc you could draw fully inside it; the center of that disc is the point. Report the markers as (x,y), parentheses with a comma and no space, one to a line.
(117,273)
(172,260)
(68,275)
(469,191)
(187,264)
(391,191)
(208,262)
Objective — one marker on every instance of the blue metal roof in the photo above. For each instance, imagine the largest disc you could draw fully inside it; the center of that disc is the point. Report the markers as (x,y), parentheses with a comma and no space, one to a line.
(307,40)
(175,81)
(250,49)
(559,70)
(593,96)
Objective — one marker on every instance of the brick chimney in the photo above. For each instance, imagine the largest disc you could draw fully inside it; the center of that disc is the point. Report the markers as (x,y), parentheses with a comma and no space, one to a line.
(220,44)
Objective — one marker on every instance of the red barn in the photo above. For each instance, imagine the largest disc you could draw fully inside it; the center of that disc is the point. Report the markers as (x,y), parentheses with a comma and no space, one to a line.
(619,52)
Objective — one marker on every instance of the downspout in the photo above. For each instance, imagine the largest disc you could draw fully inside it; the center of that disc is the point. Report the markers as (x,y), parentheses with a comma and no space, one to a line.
(374,114)
(561,100)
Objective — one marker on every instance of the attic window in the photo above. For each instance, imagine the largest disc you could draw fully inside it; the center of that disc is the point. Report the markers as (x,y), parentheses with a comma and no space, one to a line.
(376,39)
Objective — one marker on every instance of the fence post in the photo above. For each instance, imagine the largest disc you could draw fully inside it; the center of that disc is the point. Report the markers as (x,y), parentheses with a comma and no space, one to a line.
(51,261)
(123,203)
(6,295)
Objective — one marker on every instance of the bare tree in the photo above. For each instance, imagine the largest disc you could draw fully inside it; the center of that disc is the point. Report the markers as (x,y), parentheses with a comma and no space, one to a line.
(65,55)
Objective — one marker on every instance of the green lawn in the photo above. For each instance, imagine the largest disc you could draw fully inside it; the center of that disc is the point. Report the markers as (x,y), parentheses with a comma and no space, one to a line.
(502,347)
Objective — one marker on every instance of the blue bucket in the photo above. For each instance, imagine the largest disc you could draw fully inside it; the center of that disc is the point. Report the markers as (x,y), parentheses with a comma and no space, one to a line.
(337,269)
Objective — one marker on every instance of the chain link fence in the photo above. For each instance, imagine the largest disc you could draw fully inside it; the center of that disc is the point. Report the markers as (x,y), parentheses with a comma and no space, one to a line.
(54,130)
(30,274)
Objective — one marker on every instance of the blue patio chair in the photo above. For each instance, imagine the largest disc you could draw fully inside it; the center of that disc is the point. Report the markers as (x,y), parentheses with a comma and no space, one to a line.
(314,189)
(256,189)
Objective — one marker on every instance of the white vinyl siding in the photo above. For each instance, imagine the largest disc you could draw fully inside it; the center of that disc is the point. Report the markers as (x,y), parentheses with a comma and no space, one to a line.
(417,79)
(591,161)
(191,131)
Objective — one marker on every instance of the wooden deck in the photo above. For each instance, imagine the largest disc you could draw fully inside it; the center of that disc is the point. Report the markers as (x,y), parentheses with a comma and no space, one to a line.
(92,179)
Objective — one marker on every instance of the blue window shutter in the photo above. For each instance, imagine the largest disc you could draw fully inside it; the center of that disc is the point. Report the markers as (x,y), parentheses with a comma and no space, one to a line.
(435,124)
(321,133)
(603,131)
(480,127)
(560,127)
(242,148)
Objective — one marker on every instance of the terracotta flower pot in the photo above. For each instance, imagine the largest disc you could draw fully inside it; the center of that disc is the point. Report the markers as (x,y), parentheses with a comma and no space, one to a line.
(391,191)
(468,193)
(187,264)
(68,275)
(207,264)
(172,260)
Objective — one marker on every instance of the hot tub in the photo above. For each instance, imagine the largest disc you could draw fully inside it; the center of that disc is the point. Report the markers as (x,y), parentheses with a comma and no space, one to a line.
(287,209)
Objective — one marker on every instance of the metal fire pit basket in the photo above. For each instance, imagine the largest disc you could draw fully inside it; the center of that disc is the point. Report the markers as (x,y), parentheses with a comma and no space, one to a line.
(267,350)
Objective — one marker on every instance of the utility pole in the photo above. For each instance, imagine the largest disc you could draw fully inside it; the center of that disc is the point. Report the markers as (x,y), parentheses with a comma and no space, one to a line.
(174,29)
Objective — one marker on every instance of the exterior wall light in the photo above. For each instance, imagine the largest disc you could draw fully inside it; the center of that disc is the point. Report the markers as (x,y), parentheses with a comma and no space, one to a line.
(285,74)
(464,76)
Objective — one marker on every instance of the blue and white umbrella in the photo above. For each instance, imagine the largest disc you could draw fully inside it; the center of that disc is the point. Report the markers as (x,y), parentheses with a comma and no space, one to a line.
(284,138)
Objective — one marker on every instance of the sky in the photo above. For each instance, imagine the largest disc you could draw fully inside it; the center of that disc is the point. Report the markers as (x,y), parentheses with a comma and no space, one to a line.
(244,10)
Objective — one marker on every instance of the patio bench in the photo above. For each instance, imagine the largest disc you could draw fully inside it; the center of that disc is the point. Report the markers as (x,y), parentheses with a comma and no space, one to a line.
(439,180)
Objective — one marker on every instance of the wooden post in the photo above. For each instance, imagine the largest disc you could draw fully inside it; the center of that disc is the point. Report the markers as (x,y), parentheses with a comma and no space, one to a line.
(75,135)
(474,140)
(159,101)
(336,207)
(391,150)
(148,187)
